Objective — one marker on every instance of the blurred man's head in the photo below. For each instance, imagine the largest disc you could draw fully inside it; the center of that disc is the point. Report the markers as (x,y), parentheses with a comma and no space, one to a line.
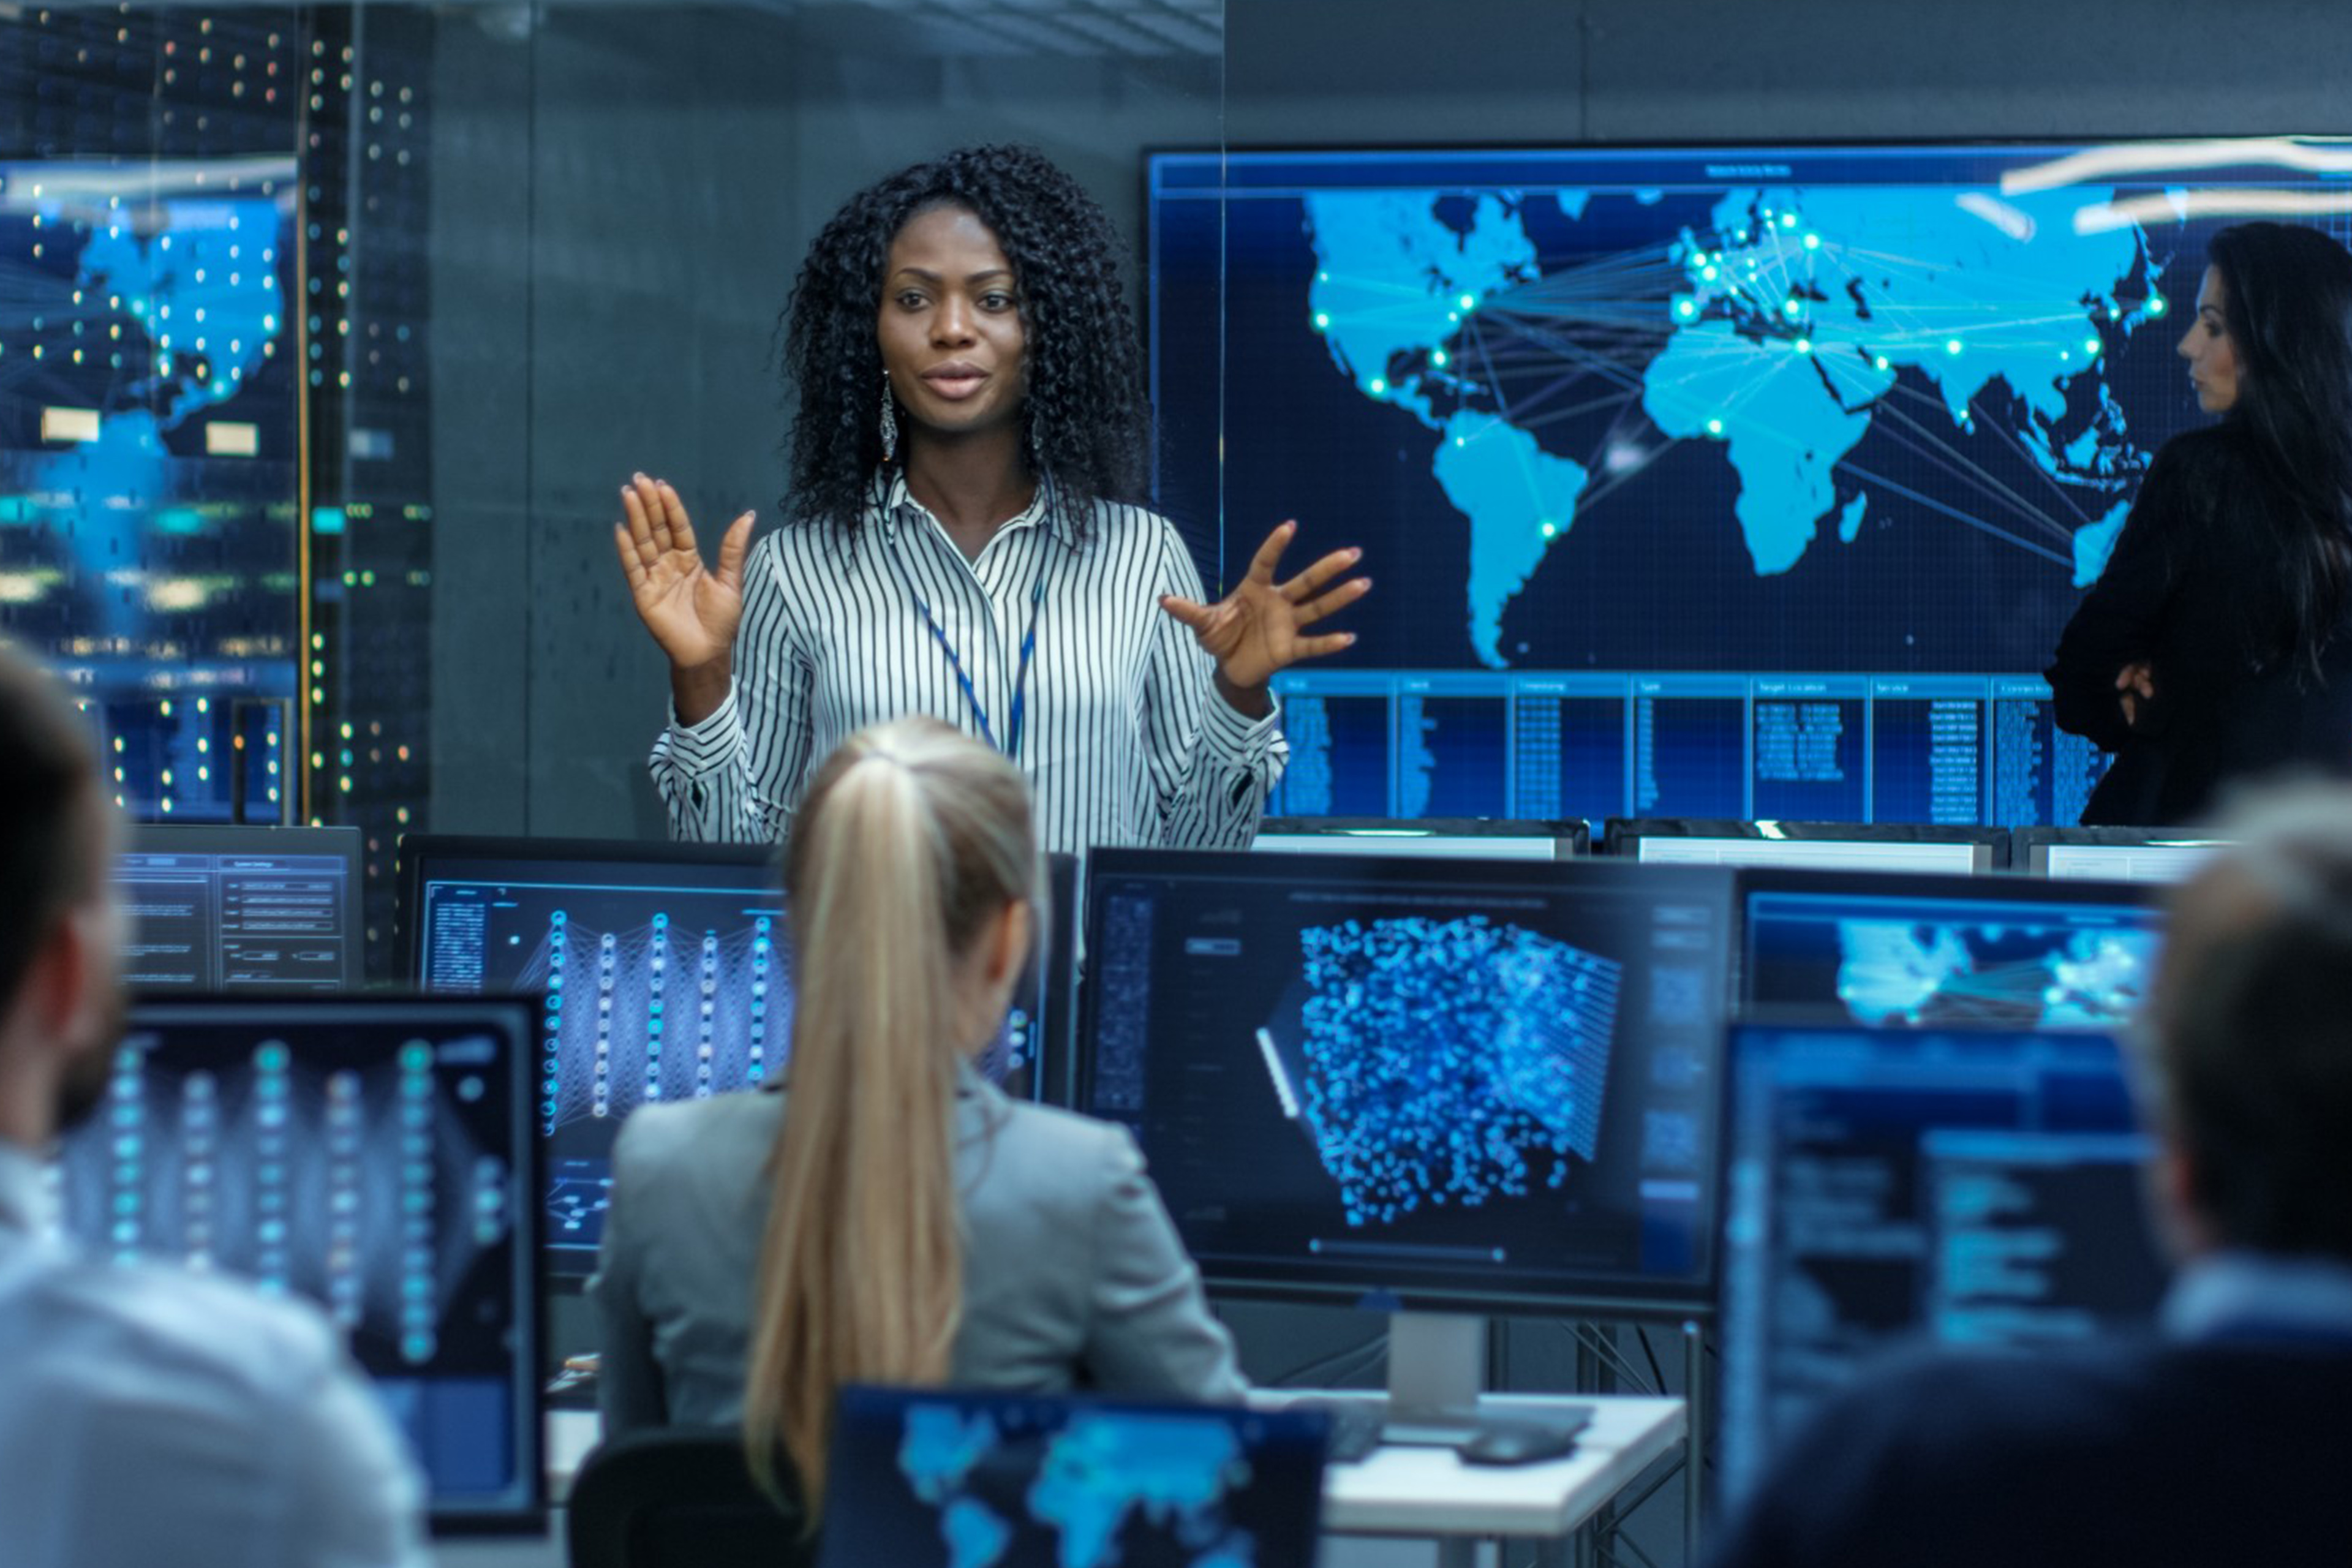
(2251,1028)
(60,928)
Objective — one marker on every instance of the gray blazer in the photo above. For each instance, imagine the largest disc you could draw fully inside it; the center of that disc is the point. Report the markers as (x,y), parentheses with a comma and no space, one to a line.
(1073,1273)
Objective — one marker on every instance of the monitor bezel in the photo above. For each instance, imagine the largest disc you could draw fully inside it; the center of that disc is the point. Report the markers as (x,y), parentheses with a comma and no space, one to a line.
(1621,837)
(1571,836)
(1057,980)
(2031,847)
(418,850)
(1691,1301)
(1057,983)
(516,1017)
(2004,888)
(1297,1434)
(1786,1019)
(264,838)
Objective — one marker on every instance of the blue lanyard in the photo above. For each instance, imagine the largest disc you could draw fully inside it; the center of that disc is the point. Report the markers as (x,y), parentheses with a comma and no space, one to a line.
(1012,747)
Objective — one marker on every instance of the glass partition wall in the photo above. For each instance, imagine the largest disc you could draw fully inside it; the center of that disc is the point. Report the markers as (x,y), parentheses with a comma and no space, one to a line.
(331,331)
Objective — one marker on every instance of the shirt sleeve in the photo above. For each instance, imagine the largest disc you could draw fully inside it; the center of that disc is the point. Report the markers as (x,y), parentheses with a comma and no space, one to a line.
(1148,1330)
(353,1494)
(1212,768)
(736,776)
(2117,621)
(628,1380)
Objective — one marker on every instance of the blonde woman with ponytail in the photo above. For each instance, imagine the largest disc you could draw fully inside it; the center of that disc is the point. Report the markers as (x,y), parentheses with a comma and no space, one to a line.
(883,1213)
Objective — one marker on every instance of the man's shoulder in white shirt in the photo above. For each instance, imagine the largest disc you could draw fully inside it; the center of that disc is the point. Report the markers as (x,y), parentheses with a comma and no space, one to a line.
(158,1414)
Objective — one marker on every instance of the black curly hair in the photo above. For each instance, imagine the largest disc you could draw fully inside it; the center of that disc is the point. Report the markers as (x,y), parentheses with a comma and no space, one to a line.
(1084,421)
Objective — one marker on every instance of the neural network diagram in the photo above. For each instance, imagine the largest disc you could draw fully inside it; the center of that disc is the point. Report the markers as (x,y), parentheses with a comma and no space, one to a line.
(1443,1062)
(360,1186)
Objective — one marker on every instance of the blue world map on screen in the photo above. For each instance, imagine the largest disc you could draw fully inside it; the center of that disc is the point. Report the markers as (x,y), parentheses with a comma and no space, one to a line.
(1088,1483)
(1780,341)
(1834,410)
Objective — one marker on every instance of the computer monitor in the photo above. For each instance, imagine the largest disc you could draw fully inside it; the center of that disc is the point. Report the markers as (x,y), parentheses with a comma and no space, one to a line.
(1839,845)
(1480,838)
(927,1478)
(666,973)
(1908,952)
(1960,1188)
(376,1154)
(240,908)
(2113,854)
(1437,1087)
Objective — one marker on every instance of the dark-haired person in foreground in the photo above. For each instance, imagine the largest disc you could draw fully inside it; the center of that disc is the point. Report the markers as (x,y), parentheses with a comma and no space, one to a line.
(2215,645)
(148,1415)
(964,540)
(2223,1438)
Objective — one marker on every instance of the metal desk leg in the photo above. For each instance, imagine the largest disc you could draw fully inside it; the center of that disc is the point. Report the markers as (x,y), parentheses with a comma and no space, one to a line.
(1457,1552)
(1694,1437)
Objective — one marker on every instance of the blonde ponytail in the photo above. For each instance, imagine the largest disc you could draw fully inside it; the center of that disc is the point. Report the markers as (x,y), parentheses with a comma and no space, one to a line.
(911,839)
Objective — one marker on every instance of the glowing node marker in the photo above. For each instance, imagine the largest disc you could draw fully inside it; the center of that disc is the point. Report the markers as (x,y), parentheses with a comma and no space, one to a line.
(1812,242)
(1380,386)
(1469,301)
(1322,320)
(2090,345)
(2156,305)
(1438,358)
(1952,347)
(1714,426)
(1551,528)
(1804,345)
(1883,362)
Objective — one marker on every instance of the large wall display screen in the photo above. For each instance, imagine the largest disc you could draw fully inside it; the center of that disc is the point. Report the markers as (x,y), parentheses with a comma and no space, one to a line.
(1708,481)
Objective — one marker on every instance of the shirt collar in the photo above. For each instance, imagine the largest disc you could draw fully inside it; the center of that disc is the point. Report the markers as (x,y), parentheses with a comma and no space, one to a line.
(2251,1295)
(23,1188)
(894,504)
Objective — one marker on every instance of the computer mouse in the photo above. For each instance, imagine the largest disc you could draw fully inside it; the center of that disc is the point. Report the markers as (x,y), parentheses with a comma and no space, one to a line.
(1518,1442)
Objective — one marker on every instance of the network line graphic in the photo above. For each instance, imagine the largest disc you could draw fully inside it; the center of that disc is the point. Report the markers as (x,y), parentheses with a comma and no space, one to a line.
(1782,330)
(1442,1061)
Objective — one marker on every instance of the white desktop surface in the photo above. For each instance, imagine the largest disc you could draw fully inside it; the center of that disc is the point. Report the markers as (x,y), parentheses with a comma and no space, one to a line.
(1401,1490)
(1429,1492)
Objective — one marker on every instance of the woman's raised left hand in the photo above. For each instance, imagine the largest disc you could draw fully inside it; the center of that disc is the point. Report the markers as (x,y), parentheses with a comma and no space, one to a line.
(1255,630)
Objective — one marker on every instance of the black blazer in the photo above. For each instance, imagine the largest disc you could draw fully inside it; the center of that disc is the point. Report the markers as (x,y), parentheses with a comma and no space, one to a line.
(2148,1454)
(2194,590)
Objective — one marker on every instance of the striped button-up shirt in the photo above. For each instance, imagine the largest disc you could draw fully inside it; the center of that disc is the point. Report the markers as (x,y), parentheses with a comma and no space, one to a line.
(1125,739)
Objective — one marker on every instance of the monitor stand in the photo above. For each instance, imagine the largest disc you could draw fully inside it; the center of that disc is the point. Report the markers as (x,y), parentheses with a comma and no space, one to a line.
(1437,1365)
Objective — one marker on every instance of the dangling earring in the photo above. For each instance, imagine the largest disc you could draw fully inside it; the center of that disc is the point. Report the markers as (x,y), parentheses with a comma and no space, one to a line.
(889,422)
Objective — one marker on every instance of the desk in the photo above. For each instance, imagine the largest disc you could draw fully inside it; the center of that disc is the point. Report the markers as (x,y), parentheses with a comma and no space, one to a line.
(1424,1492)
(1429,1492)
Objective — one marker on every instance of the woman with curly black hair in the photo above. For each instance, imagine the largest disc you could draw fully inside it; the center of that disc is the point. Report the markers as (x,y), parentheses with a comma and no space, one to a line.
(964,539)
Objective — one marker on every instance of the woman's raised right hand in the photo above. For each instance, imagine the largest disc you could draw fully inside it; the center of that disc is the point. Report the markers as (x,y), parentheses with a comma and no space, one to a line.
(691,610)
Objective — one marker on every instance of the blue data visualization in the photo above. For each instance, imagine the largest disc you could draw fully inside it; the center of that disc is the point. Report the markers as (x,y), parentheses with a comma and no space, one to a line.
(148,494)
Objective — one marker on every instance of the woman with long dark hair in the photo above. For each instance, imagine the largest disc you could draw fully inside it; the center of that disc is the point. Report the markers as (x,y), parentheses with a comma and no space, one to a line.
(964,539)
(2215,645)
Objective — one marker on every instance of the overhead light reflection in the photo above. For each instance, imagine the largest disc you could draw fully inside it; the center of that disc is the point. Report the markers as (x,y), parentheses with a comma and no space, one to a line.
(2177,207)
(2145,159)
